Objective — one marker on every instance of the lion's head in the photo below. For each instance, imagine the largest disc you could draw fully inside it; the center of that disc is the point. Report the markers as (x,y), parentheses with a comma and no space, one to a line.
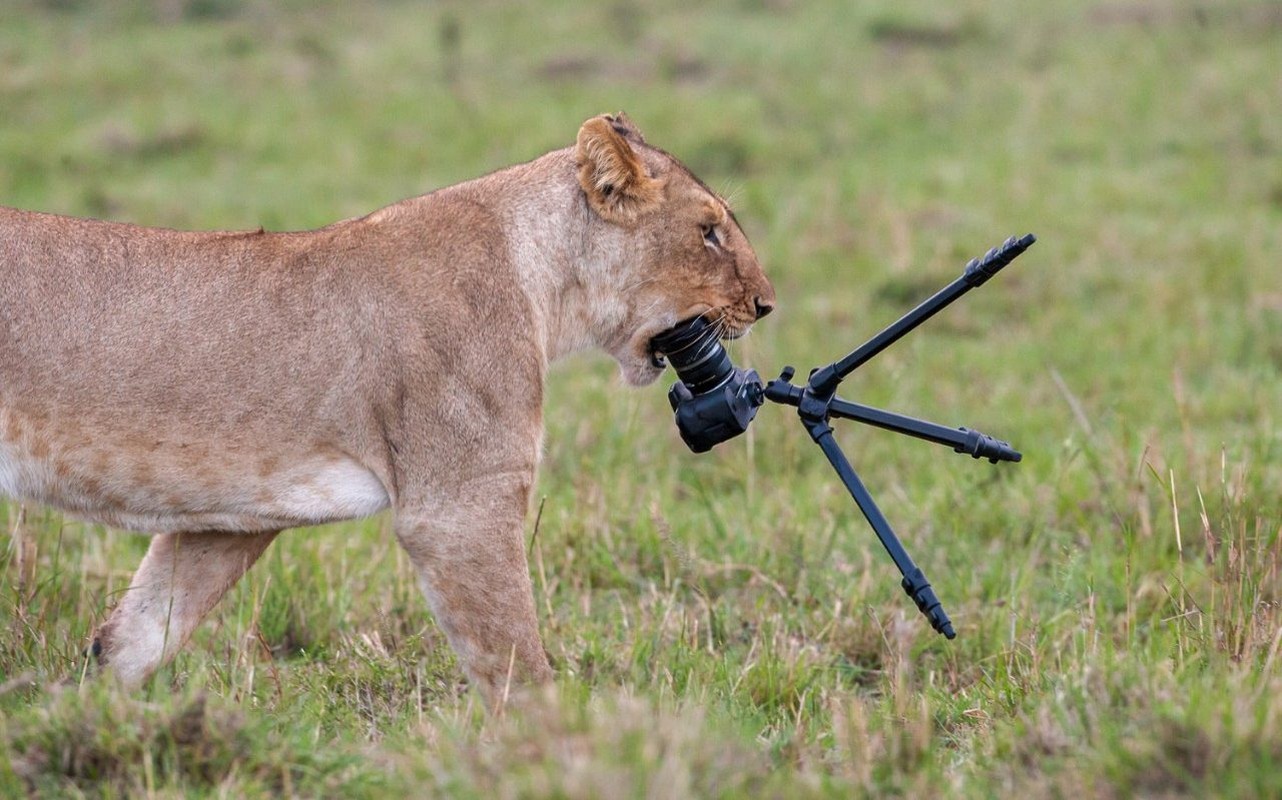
(684,254)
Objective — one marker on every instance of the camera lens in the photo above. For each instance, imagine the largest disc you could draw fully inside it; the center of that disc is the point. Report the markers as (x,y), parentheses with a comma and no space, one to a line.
(695,352)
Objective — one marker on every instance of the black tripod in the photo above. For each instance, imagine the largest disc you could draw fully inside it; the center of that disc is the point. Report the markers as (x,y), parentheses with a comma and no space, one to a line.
(817,403)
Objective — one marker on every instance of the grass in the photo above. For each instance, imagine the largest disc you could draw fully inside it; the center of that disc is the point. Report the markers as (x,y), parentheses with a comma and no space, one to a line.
(725,625)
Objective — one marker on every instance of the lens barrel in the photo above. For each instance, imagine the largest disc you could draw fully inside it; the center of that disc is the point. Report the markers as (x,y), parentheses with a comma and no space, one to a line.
(695,352)
(713,401)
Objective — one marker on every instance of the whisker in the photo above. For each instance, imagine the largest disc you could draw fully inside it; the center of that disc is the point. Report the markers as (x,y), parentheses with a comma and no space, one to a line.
(637,285)
(731,190)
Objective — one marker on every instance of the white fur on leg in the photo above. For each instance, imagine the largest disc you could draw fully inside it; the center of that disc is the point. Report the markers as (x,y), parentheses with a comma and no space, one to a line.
(179,580)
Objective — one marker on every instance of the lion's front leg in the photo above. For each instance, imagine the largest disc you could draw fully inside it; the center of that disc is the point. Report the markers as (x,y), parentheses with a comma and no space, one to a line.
(472,567)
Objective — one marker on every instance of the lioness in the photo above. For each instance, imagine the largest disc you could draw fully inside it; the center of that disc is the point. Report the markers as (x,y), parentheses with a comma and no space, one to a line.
(216,388)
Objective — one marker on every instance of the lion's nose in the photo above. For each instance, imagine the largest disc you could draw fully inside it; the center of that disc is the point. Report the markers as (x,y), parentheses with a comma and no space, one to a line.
(764,307)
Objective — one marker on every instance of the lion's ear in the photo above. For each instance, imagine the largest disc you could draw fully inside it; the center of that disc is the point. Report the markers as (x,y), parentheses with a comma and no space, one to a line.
(625,127)
(611,173)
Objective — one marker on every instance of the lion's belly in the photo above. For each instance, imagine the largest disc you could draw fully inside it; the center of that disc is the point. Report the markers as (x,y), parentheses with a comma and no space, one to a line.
(160,485)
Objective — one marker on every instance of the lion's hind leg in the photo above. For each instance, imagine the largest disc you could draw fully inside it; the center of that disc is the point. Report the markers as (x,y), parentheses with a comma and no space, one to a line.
(180,579)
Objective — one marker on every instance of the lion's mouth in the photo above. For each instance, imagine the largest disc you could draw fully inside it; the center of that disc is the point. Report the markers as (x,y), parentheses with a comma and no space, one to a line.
(676,336)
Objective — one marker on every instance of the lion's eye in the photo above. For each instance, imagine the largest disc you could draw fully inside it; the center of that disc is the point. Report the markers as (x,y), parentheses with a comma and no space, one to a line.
(710,235)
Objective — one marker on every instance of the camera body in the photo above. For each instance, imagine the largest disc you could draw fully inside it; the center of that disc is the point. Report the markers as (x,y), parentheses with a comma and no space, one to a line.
(714,401)
(708,419)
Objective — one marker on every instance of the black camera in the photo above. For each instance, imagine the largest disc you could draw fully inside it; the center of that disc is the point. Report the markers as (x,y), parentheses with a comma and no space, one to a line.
(714,401)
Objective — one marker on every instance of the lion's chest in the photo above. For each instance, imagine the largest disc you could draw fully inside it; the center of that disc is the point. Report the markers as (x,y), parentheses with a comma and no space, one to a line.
(157,481)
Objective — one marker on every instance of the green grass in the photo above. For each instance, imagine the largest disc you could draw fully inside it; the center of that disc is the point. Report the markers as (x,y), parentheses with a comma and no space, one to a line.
(726,625)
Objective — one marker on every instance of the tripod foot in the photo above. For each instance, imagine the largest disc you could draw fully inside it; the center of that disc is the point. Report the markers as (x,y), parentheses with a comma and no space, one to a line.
(917,587)
(981,445)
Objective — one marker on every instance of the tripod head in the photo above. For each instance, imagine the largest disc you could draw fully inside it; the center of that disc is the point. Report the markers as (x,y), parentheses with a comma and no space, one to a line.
(714,401)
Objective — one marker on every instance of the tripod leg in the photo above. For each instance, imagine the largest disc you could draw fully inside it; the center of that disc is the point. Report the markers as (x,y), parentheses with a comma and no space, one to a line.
(963,440)
(914,582)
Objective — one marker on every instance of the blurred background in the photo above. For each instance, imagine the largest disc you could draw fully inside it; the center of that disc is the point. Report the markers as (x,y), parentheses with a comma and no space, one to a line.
(869,150)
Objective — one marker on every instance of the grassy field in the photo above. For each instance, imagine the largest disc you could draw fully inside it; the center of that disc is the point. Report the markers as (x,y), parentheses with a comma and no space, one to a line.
(727,625)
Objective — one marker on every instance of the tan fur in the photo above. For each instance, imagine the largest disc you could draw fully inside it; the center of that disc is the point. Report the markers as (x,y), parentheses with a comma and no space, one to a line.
(215,388)
(617,183)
